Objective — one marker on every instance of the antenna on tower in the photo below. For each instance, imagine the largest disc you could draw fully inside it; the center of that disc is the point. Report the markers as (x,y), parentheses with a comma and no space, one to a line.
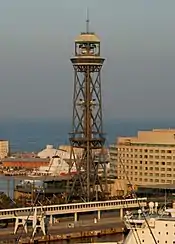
(87,21)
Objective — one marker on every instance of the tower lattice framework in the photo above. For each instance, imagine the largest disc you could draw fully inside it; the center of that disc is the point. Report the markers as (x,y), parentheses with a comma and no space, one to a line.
(89,183)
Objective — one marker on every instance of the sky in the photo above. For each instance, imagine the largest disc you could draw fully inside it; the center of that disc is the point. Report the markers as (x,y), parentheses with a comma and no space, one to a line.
(37,41)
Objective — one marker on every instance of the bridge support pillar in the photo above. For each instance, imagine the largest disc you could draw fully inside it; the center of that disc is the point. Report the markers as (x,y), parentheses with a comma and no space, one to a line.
(19,222)
(51,220)
(38,222)
(99,214)
(75,217)
(121,213)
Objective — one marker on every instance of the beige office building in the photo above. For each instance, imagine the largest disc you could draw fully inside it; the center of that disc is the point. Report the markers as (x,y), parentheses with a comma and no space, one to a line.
(148,158)
(4,148)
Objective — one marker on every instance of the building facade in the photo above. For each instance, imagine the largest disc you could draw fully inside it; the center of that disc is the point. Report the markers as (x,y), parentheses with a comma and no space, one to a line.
(113,161)
(148,158)
(4,149)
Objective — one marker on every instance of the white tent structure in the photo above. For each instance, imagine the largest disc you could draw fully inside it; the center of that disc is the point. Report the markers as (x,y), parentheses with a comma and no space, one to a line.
(58,162)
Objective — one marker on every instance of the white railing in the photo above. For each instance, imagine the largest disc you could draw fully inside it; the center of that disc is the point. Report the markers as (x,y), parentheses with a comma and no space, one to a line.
(74,207)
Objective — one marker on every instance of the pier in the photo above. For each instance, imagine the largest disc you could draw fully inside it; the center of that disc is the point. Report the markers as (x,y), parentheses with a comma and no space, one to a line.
(67,229)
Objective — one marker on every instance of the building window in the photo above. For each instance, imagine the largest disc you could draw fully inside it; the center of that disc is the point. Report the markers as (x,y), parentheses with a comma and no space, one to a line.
(169,151)
(163,163)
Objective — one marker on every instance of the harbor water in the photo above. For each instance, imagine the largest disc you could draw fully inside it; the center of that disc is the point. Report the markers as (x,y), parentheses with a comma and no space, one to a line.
(7,184)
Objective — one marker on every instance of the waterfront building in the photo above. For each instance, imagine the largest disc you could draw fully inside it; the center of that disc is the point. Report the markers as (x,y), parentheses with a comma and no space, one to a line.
(4,148)
(25,163)
(148,158)
(51,190)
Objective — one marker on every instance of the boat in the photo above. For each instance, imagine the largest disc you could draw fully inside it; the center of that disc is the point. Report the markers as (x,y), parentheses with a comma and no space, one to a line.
(150,226)
(153,226)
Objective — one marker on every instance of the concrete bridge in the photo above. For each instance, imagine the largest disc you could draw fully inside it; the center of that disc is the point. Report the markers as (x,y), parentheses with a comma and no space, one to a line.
(75,208)
(39,213)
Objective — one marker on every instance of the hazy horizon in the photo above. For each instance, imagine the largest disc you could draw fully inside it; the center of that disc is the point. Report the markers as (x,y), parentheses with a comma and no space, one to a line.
(37,41)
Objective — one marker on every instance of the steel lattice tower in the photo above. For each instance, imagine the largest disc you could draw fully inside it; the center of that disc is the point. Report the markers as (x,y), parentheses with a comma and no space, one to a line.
(87,129)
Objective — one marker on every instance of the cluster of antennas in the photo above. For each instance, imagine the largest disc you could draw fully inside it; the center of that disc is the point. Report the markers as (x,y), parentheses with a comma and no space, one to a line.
(87,49)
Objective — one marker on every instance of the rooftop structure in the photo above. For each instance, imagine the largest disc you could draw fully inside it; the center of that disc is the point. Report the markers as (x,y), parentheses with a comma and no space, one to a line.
(26,163)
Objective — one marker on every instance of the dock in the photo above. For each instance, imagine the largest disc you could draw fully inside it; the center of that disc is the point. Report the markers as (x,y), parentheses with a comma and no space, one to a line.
(67,230)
